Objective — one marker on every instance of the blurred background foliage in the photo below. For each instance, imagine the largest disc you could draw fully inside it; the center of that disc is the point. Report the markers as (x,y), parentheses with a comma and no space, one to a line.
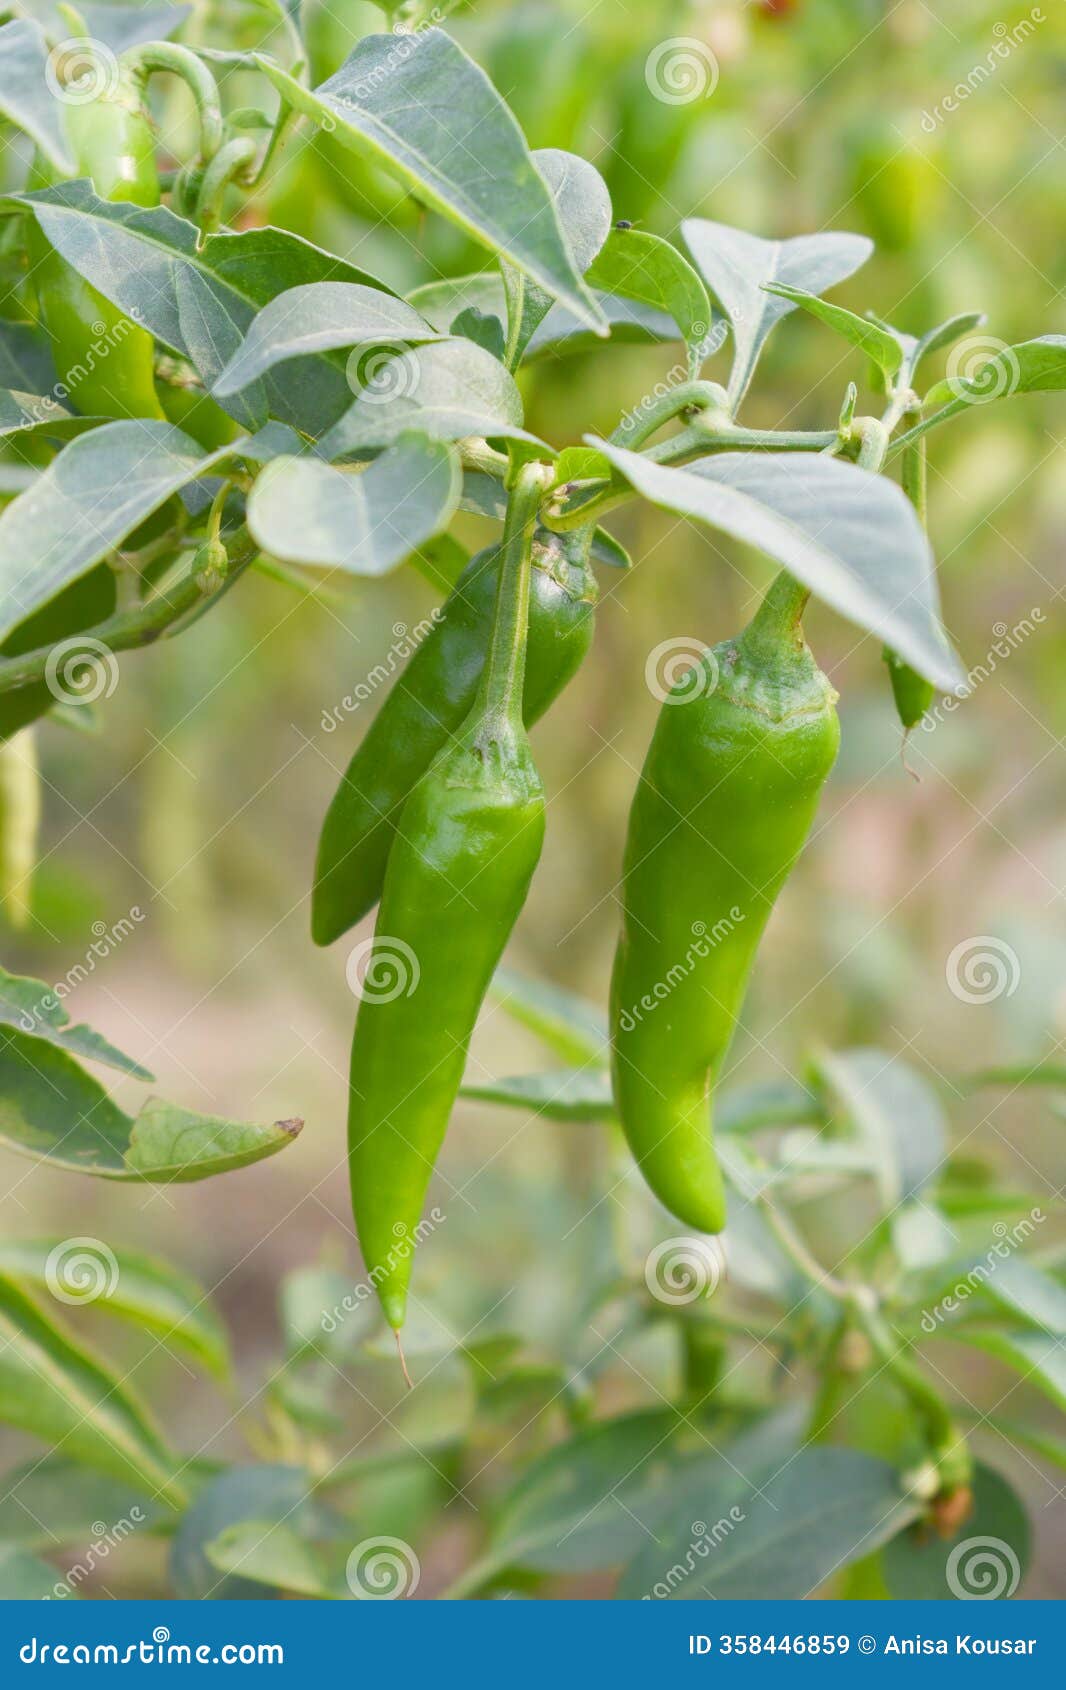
(200,796)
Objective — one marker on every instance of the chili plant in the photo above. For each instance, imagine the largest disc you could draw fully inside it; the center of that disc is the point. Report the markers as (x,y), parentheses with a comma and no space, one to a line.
(196,399)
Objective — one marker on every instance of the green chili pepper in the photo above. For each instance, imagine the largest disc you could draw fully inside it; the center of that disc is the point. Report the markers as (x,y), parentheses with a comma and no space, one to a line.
(20,816)
(912,692)
(726,798)
(468,842)
(105,361)
(428,704)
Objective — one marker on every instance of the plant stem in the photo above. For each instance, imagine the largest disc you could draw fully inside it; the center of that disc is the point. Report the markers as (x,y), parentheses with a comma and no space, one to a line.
(502,680)
(139,626)
(640,424)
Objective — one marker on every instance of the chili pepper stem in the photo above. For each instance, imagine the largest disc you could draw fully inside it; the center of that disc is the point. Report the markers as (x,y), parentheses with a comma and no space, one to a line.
(403,1360)
(500,691)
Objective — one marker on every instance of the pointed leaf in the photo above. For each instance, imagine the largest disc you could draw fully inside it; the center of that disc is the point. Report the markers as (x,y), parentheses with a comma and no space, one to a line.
(825,1508)
(135,257)
(571,1026)
(896,1114)
(150,1294)
(852,537)
(53,1501)
(272,1553)
(26,100)
(35,1008)
(366,522)
(1037,1357)
(881,346)
(583,207)
(450,390)
(319,317)
(57,1391)
(52,1110)
(568,1094)
(22,1576)
(735,265)
(644,267)
(88,499)
(1035,366)
(945,334)
(422,108)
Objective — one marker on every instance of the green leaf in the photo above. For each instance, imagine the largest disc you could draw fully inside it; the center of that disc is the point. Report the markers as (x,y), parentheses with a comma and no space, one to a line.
(852,537)
(569,1094)
(581,1506)
(1035,1073)
(319,317)
(945,334)
(644,267)
(151,1294)
(1034,366)
(364,522)
(881,346)
(560,332)
(25,97)
(583,207)
(768,1103)
(23,1577)
(58,1392)
(790,1530)
(895,1113)
(52,1110)
(26,363)
(571,1026)
(450,389)
(137,257)
(88,499)
(53,1501)
(1038,1357)
(986,1559)
(272,1553)
(1026,1290)
(27,414)
(240,1494)
(736,265)
(35,1008)
(421,107)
